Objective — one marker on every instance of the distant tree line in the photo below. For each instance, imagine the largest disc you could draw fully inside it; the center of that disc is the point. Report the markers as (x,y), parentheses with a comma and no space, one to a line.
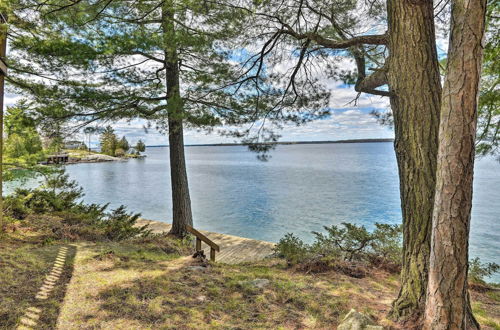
(113,146)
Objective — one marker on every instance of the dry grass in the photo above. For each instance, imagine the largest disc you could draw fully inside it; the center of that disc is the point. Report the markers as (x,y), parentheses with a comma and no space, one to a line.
(80,154)
(77,153)
(486,307)
(25,260)
(110,290)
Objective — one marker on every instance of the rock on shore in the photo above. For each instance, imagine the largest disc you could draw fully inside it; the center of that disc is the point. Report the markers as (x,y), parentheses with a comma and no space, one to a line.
(95,158)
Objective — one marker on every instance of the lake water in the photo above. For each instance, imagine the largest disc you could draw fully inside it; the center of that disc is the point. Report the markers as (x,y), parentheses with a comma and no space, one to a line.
(300,189)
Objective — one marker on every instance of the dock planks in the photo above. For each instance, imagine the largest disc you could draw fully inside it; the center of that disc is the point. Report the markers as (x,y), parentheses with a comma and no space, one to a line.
(233,249)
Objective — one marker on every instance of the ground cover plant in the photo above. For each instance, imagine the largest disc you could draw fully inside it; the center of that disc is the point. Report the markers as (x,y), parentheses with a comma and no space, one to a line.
(348,248)
(55,208)
(353,250)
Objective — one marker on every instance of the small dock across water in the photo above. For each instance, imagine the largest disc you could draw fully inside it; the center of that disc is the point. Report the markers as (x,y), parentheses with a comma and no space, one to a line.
(233,249)
(57,159)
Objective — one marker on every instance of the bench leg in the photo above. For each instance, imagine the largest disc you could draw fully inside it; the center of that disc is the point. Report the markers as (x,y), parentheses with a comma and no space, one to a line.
(198,244)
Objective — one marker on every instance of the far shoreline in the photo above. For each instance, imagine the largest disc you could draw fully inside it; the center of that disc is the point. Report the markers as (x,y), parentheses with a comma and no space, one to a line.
(281,143)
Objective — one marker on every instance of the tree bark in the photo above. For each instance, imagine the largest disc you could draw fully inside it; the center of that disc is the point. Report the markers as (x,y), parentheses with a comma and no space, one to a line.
(448,305)
(415,89)
(181,201)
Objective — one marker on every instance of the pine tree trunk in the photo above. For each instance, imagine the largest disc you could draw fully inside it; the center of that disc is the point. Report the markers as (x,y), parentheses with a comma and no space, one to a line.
(181,201)
(415,84)
(448,305)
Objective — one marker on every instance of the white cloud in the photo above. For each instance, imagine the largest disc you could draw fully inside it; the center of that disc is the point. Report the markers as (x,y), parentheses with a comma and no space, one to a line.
(11,99)
(348,121)
(344,123)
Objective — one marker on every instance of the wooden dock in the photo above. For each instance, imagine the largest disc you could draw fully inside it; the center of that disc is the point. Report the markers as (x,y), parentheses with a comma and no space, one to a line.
(57,159)
(233,249)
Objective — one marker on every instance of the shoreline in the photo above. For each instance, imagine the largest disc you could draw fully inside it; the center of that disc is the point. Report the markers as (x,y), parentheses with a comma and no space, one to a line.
(283,143)
(85,158)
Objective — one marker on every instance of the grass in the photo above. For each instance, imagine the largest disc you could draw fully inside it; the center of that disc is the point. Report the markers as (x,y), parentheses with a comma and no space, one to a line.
(25,260)
(139,285)
(79,154)
(144,294)
(486,308)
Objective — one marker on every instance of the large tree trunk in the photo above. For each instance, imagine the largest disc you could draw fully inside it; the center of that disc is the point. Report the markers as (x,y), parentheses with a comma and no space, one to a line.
(181,201)
(448,305)
(415,86)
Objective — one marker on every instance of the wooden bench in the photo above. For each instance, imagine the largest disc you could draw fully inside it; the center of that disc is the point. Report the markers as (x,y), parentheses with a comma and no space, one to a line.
(199,238)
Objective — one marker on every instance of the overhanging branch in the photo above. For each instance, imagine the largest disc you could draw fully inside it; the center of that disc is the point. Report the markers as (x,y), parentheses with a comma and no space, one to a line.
(368,84)
(338,44)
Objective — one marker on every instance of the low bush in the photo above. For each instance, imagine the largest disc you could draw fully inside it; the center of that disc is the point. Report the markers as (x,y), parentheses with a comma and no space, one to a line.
(347,248)
(119,152)
(55,208)
(479,271)
(57,194)
(292,248)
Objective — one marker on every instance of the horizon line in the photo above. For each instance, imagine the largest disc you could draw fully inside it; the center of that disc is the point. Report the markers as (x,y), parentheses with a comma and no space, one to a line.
(281,143)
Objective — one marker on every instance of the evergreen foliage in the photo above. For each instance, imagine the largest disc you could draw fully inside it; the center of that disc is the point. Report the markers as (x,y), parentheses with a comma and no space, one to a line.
(56,206)
(115,67)
(347,243)
(123,144)
(109,141)
(89,131)
(23,143)
(140,146)
(479,271)
(488,124)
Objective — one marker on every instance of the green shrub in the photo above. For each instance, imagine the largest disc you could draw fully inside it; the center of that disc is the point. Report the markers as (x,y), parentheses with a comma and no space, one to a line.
(388,242)
(345,247)
(120,225)
(57,194)
(292,249)
(119,152)
(68,218)
(348,243)
(15,207)
(478,271)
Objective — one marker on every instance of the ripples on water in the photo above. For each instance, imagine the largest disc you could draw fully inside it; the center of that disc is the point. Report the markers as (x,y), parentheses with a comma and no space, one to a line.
(300,189)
